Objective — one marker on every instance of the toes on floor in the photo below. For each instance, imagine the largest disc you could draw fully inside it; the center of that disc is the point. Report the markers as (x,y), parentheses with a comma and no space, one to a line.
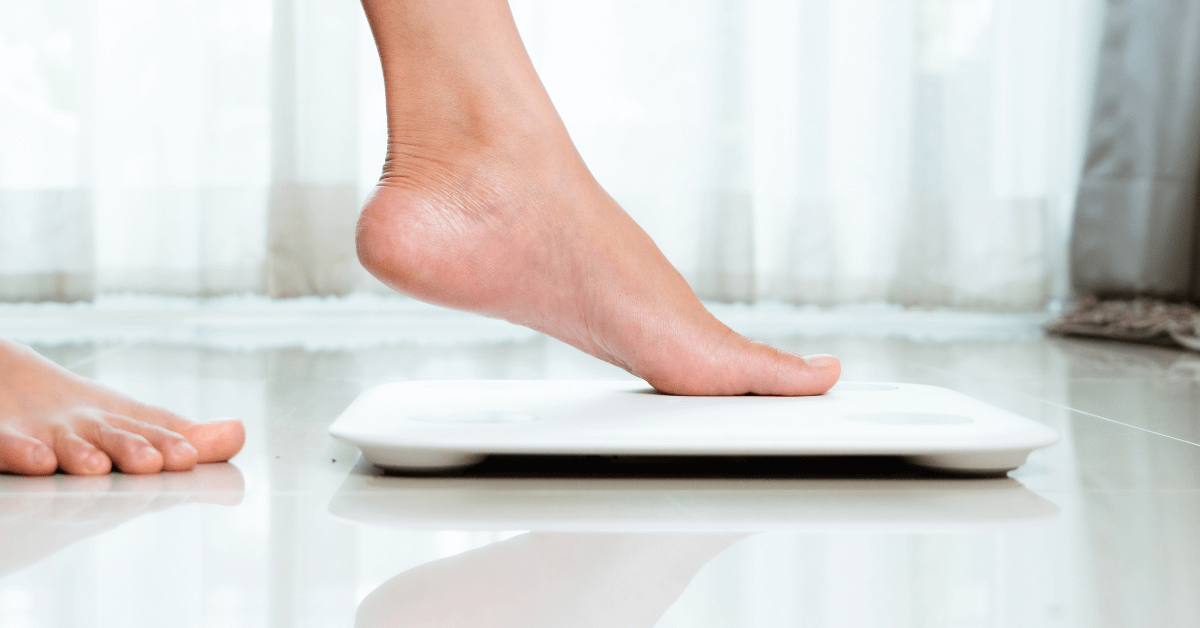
(25,455)
(173,451)
(131,452)
(79,457)
(128,450)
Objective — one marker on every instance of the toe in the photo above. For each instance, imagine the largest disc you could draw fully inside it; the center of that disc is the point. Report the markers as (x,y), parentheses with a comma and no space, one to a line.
(214,441)
(776,372)
(217,441)
(25,455)
(177,453)
(79,457)
(738,366)
(130,452)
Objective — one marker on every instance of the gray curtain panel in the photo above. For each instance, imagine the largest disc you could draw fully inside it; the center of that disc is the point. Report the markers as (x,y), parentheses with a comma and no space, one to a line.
(1137,218)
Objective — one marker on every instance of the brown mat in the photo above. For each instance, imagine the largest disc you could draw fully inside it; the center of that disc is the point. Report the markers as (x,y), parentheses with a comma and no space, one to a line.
(1140,320)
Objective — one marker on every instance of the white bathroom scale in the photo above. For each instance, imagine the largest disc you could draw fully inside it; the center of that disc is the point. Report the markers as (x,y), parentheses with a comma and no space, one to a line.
(451,424)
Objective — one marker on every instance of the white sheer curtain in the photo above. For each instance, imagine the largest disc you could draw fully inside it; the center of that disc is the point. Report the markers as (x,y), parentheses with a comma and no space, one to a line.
(808,151)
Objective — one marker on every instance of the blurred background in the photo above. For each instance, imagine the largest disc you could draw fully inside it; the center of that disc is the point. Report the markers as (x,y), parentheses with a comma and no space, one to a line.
(915,152)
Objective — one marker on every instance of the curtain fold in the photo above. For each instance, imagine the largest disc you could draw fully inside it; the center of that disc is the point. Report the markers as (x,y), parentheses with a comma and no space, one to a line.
(1137,222)
(807,151)
(314,197)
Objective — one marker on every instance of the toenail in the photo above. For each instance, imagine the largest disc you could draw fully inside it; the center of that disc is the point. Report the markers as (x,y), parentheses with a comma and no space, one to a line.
(820,360)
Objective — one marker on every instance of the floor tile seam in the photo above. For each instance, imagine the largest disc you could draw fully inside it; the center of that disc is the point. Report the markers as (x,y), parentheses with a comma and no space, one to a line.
(1103,418)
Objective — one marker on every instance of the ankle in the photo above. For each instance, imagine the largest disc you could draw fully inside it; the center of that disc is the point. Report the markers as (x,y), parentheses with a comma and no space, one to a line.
(485,165)
(424,153)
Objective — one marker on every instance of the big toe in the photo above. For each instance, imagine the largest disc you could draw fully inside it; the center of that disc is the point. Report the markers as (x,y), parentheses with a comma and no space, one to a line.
(787,374)
(765,370)
(216,441)
(745,367)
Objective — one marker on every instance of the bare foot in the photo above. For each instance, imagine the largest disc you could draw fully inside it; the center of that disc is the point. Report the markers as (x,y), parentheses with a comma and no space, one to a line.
(51,418)
(485,205)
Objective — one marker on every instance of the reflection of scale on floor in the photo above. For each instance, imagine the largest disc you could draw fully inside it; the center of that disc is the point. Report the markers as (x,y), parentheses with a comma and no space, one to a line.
(911,506)
(445,425)
(619,552)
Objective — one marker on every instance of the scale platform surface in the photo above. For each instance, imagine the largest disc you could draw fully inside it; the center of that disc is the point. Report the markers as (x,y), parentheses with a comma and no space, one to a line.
(452,424)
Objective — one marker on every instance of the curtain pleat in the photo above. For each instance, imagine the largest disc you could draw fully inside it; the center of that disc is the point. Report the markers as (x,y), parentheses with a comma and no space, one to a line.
(1137,221)
(314,196)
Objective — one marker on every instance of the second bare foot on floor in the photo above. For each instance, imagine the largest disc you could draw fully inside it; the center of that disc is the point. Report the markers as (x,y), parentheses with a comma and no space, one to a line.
(52,419)
(485,205)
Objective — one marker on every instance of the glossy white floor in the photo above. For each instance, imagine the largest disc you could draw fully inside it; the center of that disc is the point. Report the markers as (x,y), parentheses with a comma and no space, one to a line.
(1102,529)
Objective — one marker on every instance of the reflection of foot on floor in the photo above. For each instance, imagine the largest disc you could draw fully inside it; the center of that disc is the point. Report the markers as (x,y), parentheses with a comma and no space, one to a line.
(40,516)
(51,418)
(485,205)
(547,580)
